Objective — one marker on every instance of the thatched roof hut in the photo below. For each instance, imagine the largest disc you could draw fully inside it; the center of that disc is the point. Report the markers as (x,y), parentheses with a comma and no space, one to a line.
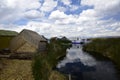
(28,41)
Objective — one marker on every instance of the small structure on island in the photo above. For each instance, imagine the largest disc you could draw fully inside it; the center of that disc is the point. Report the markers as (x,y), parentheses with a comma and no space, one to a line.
(28,41)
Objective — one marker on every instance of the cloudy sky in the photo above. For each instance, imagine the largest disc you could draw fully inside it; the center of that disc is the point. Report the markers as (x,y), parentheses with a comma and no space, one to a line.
(62,17)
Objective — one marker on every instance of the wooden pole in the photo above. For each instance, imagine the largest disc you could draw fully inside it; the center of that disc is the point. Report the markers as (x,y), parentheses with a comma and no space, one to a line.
(69,76)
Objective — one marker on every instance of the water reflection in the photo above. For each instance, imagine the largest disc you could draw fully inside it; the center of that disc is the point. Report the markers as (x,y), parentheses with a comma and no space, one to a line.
(74,54)
(76,68)
(83,66)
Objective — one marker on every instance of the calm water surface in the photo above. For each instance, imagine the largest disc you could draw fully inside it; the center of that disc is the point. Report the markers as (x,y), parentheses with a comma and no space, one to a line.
(83,66)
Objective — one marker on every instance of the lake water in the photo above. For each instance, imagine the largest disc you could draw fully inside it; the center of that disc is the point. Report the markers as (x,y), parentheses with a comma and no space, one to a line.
(82,66)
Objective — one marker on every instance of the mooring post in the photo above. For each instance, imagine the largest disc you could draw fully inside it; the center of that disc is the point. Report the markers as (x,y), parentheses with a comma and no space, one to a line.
(69,76)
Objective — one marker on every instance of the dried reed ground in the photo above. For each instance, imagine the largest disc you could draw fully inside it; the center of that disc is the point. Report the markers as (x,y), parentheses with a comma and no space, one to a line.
(15,69)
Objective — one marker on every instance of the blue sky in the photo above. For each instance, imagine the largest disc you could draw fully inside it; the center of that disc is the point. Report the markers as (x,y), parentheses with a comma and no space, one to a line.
(62,17)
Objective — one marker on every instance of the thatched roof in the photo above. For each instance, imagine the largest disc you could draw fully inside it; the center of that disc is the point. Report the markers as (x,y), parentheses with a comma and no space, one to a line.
(32,37)
(26,36)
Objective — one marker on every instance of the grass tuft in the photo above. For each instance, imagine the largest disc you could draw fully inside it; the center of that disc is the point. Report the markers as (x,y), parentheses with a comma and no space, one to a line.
(43,64)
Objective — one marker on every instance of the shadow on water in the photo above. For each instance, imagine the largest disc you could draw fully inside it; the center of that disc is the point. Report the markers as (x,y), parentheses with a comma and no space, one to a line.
(82,66)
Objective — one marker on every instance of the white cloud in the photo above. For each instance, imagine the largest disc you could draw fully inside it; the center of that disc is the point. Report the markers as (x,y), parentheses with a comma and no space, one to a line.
(20,5)
(62,18)
(88,23)
(66,2)
(33,14)
(11,10)
(88,13)
(57,15)
(11,27)
(90,28)
(48,5)
(104,8)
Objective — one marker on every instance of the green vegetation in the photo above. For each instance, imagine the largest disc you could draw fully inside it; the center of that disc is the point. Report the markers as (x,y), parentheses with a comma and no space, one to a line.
(5,37)
(5,41)
(108,47)
(7,33)
(44,63)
